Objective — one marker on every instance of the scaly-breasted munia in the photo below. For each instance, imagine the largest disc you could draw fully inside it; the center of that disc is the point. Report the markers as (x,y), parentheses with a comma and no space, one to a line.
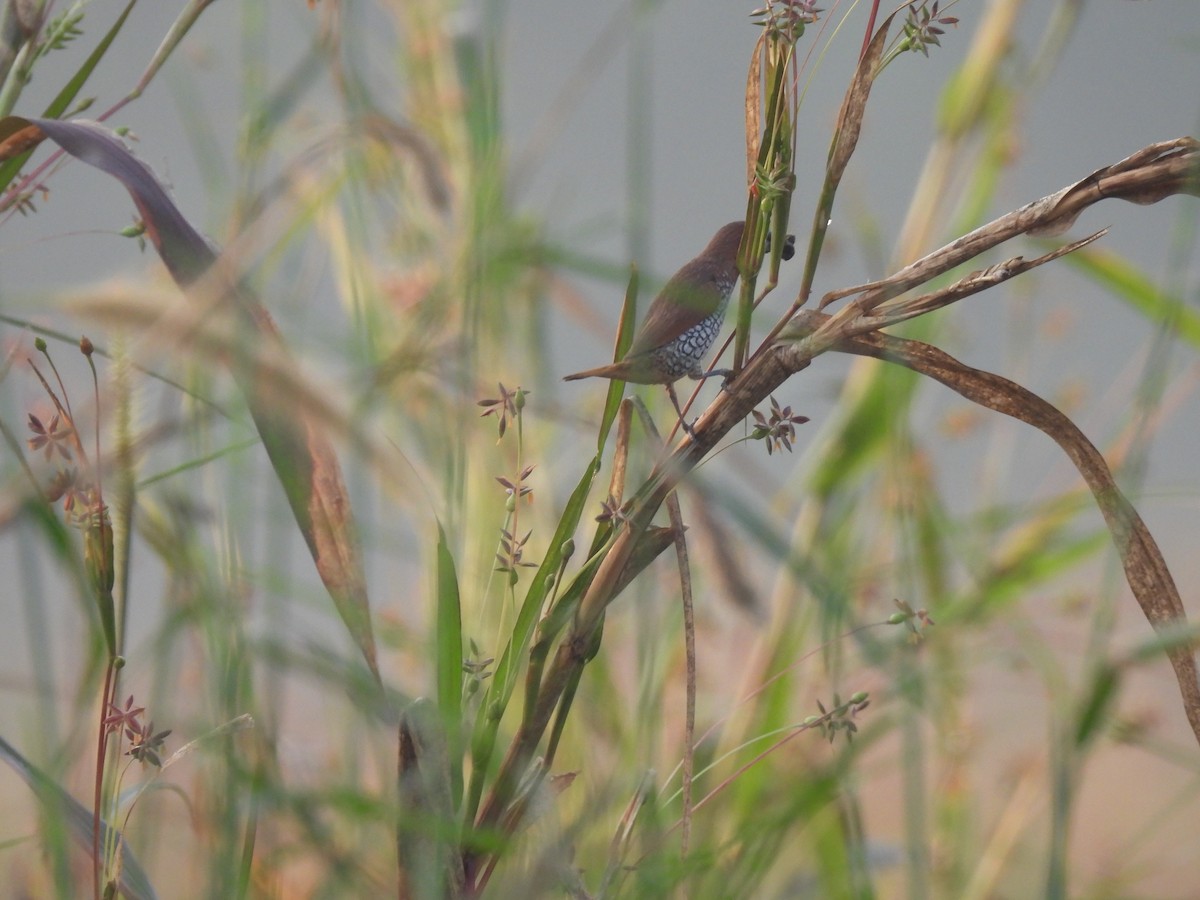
(682,322)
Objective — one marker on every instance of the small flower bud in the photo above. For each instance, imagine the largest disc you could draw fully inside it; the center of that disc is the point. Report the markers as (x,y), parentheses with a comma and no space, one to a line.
(567,550)
(40,344)
(85,346)
(858,698)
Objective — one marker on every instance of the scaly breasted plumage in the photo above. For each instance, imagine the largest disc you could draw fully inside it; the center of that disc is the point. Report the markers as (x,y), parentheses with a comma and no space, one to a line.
(683,320)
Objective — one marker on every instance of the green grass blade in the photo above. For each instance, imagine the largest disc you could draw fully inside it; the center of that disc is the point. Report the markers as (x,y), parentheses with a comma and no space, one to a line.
(71,89)
(483,740)
(199,462)
(133,880)
(616,389)
(449,661)
(535,597)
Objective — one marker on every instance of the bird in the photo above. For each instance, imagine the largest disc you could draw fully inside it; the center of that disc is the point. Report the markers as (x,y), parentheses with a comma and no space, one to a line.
(682,322)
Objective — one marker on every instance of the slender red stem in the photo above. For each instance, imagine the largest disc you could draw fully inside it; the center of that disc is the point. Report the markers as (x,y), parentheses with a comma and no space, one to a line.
(870,29)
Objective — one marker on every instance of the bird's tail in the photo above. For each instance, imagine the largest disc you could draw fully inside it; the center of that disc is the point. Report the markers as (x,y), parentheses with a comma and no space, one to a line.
(598,372)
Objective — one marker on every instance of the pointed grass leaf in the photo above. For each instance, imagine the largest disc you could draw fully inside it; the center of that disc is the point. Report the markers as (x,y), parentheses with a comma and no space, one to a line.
(841,148)
(71,89)
(854,106)
(133,881)
(539,586)
(186,254)
(616,389)
(1097,710)
(754,106)
(449,657)
(299,451)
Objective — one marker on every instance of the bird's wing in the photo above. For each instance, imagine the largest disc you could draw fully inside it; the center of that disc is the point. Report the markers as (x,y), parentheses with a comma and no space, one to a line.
(691,296)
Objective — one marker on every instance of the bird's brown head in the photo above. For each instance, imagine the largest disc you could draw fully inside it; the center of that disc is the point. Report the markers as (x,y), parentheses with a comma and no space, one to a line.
(724,245)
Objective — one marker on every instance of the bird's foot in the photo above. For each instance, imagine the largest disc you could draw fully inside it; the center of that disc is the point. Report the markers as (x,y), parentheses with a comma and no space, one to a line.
(726,376)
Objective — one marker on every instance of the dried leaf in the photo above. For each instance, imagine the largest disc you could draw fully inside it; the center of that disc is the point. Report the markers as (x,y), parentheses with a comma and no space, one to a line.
(1154,172)
(754,107)
(850,117)
(18,136)
(1162,169)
